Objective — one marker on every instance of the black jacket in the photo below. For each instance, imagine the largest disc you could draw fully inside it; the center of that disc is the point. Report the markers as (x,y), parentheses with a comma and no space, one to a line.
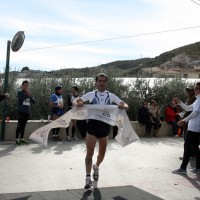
(24,102)
(143,115)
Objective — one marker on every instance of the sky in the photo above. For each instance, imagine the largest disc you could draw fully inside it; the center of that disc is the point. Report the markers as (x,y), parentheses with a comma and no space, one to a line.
(86,33)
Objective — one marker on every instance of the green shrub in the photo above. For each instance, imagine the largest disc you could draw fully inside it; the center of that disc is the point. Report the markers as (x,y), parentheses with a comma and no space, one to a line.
(134,93)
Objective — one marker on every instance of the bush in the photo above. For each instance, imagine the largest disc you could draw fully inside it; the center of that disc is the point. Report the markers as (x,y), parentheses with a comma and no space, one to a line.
(134,93)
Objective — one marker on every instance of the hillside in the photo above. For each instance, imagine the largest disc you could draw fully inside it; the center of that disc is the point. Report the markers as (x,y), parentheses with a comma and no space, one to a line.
(125,68)
(131,67)
(191,50)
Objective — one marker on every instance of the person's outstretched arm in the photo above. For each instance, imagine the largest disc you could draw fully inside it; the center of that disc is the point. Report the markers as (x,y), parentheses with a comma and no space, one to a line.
(184,106)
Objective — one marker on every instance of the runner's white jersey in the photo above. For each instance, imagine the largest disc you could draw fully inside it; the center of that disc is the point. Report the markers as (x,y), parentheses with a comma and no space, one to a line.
(73,98)
(102,98)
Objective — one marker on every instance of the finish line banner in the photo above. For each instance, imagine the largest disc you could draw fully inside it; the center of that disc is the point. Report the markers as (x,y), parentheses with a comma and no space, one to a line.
(109,114)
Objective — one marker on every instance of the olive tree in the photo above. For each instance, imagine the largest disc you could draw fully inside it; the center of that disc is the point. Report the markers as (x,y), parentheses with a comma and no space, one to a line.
(133,93)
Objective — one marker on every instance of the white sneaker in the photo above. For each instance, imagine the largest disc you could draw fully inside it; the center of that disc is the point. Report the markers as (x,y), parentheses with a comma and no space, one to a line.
(96,172)
(74,139)
(68,138)
(88,183)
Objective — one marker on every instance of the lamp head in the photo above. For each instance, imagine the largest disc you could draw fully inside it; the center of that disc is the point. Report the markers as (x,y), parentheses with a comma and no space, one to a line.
(17,41)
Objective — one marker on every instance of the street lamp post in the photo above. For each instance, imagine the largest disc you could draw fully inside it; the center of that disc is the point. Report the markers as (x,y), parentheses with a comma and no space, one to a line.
(15,45)
(5,90)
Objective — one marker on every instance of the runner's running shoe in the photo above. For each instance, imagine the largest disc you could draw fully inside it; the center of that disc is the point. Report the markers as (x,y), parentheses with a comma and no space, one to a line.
(88,182)
(96,172)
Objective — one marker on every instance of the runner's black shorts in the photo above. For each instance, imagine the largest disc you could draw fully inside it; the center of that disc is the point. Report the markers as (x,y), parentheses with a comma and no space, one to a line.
(98,129)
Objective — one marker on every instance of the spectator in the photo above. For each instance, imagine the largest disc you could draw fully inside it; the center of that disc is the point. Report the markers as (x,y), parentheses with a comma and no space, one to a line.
(154,113)
(193,132)
(25,98)
(190,100)
(71,97)
(144,118)
(170,117)
(56,104)
(178,118)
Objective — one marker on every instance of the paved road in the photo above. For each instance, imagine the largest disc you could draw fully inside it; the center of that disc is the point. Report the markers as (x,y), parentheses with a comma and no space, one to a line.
(145,164)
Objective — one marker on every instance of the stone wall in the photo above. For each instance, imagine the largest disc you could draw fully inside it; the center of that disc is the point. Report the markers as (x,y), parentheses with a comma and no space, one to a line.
(32,125)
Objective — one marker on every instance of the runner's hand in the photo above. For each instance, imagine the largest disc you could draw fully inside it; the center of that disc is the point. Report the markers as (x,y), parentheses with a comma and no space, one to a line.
(123,106)
(79,104)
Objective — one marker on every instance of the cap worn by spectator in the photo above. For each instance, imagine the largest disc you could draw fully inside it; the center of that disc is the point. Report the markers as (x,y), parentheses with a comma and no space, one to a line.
(58,87)
(190,87)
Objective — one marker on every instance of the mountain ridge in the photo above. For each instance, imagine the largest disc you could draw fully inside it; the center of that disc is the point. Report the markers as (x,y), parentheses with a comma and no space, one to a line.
(124,68)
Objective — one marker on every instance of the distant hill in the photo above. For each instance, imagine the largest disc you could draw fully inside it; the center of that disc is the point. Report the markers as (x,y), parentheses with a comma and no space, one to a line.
(191,50)
(127,68)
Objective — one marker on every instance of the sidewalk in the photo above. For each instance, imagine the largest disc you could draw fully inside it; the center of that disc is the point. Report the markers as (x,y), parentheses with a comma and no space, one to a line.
(142,169)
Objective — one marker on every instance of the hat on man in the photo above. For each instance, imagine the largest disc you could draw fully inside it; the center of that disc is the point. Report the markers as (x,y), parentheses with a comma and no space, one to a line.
(58,87)
(190,87)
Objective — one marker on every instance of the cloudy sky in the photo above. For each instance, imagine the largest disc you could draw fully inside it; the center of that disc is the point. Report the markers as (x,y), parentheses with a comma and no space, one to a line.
(86,33)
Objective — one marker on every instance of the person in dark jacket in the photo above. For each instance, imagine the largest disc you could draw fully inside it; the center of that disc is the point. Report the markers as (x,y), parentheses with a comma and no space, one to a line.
(25,98)
(144,118)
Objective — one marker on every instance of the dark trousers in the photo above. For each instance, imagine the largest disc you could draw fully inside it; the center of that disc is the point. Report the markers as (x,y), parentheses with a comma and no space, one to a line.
(191,140)
(156,122)
(174,127)
(184,136)
(148,126)
(55,131)
(22,121)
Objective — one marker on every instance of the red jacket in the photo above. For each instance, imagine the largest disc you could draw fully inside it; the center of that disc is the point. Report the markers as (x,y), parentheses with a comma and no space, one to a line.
(170,114)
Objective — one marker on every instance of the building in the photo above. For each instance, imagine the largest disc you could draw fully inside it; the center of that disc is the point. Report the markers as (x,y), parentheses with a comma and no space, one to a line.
(181,66)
